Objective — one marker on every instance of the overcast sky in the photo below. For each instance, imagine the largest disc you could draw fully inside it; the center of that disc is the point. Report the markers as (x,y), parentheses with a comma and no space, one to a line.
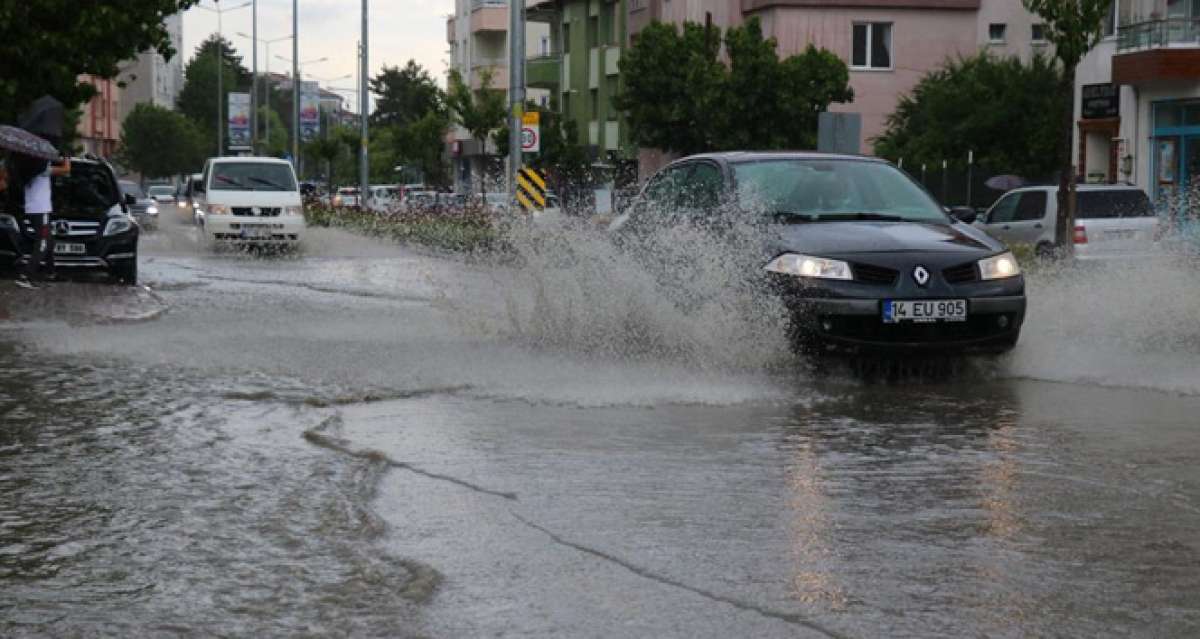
(400,30)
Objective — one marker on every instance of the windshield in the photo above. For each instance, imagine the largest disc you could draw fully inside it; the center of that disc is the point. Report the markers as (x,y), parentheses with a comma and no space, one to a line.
(160,190)
(252,176)
(88,188)
(131,188)
(823,190)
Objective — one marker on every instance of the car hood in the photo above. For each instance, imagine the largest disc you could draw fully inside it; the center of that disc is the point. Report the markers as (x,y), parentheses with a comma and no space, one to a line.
(834,239)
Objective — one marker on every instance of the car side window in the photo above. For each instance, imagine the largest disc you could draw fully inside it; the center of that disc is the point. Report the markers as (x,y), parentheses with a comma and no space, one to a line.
(1005,210)
(701,190)
(665,189)
(1032,206)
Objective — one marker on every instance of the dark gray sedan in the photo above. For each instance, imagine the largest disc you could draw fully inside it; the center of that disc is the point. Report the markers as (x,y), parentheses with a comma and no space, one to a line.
(142,207)
(864,258)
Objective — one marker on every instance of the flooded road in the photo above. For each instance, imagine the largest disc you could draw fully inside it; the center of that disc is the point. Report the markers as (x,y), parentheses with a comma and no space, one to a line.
(365,440)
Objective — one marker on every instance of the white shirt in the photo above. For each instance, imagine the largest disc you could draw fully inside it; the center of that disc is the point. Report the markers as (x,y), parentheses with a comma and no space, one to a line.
(37,194)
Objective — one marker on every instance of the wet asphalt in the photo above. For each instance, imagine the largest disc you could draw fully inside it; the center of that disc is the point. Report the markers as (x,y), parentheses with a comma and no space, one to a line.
(355,441)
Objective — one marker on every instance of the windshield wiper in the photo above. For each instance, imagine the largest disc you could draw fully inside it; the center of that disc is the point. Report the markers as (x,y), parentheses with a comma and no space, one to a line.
(229,180)
(267,182)
(792,217)
(861,215)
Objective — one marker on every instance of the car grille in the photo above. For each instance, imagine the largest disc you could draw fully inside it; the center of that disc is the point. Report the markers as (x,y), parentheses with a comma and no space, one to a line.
(74,228)
(266,211)
(874,274)
(961,274)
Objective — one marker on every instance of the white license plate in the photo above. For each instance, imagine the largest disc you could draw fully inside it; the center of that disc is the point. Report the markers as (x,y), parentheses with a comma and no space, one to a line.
(896,311)
(256,232)
(69,248)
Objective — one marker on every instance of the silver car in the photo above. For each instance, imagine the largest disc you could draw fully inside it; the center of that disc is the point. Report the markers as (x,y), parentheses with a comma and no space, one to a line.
(1111,221)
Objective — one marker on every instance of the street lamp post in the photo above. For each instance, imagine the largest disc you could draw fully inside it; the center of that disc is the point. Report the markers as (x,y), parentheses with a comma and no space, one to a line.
(220,66)
(296,84)
(267,71)
(364,106)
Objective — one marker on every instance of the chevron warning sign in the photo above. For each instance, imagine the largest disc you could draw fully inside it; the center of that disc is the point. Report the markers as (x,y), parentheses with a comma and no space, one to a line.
(531,189)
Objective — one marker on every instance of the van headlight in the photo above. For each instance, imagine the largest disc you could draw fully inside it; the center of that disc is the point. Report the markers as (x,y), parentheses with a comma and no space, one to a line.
(810,266)
(998,267)
(293,210)
(9,222)
(117,225)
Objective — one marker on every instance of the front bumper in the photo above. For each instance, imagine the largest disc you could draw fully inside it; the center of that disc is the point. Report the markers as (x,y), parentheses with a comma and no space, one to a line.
(281,229)
(100,252)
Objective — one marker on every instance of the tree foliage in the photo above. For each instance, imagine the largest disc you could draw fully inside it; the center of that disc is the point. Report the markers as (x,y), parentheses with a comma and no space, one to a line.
(478,111)
(159,142)
(697,103)
(46,45)
(1006,111)
(198,98)
(411,118)
(405,95)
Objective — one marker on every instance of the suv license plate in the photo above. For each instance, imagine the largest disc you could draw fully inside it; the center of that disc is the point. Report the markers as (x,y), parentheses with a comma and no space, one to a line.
(69,248)
(896,311)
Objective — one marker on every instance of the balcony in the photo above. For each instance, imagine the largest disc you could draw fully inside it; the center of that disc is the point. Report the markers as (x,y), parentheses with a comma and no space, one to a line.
(489,15)
(498,67)
(543,72)
(1158,50)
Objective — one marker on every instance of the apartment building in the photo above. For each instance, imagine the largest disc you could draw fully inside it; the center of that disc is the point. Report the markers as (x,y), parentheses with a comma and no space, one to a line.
(151,78)
(477,33)
(99,125)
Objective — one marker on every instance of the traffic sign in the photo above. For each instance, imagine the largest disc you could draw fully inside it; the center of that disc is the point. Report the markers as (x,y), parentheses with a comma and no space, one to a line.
(531,189)
(531,132)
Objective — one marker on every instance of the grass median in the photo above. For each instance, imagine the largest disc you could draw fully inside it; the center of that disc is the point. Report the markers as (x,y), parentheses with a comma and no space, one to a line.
(466,230)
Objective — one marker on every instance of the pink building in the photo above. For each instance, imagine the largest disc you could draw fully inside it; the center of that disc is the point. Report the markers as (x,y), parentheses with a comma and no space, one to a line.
(100,124)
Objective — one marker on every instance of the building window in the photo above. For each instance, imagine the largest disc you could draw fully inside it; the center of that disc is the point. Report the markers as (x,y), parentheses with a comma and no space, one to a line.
(611,92)
(1039,34)
(1110,19)
(595,104)
(872,46)
(566,38)
(544,46)
(996,32)
(593,31)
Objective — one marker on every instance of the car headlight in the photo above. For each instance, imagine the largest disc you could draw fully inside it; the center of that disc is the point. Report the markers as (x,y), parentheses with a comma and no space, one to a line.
(293,210)
(9,222)
(810,266)
(152,210)
(217,209)
(998,267)
(118,225)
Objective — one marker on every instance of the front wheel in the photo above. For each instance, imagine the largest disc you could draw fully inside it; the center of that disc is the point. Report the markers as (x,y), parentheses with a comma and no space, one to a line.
(126,272)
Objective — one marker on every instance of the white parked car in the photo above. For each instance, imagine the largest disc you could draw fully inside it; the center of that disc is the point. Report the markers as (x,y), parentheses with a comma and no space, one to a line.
(250,199)
(385,198)
(1111,221)
(346,196)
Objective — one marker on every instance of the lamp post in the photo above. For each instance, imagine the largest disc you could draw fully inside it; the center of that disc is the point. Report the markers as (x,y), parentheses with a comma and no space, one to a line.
(296,98)
(220,66)
(364,101)
(267,71)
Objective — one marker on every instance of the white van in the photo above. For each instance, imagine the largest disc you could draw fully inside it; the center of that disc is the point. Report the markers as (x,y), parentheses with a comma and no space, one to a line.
(1111,221)
(250,199)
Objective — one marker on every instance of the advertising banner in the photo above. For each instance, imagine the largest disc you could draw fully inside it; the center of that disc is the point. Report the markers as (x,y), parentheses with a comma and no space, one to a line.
(238,119)
(310,111)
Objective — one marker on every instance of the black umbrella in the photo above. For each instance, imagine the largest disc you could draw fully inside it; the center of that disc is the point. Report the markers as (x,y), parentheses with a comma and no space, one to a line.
(1005,182)
(44,118)
(26,143)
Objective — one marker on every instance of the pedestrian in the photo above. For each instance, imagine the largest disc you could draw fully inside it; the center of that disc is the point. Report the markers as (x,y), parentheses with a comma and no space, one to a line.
(30,180)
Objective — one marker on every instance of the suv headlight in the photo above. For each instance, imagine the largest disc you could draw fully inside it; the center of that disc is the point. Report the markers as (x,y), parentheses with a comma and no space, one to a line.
(810,266)
(998,267)
(217,209)
(118,225)
(152,210)
(9,222)
(293,210)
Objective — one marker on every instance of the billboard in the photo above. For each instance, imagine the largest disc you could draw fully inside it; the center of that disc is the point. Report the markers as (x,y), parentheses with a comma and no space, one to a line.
(310,111)
(238,120)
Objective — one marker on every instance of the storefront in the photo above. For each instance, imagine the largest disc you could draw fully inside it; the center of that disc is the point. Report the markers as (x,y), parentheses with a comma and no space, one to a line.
(1176,145)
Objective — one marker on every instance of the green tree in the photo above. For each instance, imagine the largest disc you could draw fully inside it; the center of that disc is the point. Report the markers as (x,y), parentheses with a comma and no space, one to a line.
(279,136)
(698,104)
(942,117)
(421,144)
(1073,27)
(158,143)
(198,98)
(478,111)
(326,152)
(405,95)
(47,45)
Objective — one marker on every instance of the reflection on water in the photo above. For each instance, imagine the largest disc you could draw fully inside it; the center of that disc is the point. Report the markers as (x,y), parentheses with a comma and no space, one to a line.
(134,503)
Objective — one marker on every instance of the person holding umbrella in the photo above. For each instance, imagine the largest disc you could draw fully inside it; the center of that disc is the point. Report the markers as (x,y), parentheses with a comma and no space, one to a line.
(29,174)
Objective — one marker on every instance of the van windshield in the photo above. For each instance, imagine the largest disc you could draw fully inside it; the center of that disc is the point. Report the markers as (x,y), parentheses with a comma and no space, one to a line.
(252,176)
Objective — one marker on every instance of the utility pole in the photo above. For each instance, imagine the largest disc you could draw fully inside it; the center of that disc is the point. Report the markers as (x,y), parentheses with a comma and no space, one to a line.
(296,85)
(364,104)
(220,72)
(254,78)
(516,90)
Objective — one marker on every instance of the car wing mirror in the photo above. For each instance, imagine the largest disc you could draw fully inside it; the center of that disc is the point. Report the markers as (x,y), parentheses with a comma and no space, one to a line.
(964,214)
(130,199)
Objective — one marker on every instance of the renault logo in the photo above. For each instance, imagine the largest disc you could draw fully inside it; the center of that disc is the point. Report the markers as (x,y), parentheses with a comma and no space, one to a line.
(62,228)
(921,276)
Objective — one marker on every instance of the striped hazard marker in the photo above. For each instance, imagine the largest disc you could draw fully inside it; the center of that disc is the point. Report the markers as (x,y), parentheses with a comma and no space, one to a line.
(531,190)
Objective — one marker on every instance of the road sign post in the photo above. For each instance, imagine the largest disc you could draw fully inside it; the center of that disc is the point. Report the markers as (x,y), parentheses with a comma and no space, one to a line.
(531,134)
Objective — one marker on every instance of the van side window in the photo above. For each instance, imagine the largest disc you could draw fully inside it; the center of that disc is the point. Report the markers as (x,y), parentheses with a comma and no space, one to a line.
(1031,207)
(1005,210)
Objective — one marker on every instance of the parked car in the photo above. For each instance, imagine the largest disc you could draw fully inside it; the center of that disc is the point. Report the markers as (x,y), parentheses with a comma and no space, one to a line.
(1111,221)
(142,207)
(864,259)
(346,196)
(385,198)
(416,200)
(164,194)
(91,224)
(187,198)
(252,200)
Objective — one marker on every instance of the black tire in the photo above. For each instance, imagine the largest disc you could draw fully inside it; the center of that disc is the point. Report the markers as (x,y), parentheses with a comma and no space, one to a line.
(125,272)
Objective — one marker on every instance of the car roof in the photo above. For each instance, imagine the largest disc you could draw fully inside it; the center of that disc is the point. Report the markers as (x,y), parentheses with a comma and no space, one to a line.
(248,158)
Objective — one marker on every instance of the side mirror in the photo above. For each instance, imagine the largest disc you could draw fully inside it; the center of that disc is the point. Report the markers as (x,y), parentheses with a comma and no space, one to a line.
(964,214)
(130,200)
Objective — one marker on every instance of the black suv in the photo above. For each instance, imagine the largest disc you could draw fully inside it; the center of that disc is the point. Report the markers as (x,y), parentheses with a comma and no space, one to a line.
(91,224)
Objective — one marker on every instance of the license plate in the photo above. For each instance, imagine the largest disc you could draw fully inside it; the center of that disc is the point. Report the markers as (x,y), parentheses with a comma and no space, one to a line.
(255,232)
(896,311)
(69,248)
